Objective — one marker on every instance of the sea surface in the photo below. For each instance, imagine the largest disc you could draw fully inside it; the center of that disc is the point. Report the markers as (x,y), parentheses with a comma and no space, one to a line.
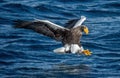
(26,54)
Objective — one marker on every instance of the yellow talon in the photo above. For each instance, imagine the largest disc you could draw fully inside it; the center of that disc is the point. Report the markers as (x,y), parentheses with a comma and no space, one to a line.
(87,52)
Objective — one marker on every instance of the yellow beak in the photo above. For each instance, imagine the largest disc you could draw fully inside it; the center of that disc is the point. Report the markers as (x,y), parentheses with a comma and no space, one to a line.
(86,30)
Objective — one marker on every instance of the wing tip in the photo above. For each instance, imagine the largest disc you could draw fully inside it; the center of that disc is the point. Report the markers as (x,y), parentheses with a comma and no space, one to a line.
(20,24)
(83,17)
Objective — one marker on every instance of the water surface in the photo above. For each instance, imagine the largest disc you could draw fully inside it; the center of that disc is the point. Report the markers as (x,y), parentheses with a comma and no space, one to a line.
(26,54)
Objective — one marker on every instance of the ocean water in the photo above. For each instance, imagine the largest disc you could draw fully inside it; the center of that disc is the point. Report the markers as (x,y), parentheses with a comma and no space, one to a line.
(26,54)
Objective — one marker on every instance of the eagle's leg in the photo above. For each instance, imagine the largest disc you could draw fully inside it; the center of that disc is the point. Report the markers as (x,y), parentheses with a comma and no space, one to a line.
(81,49)
(74,48)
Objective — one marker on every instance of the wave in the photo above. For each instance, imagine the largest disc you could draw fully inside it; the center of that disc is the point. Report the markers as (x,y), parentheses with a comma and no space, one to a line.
(24,53)
(112,5)
(16,7)
(102,13)
(10,54)
(110,37)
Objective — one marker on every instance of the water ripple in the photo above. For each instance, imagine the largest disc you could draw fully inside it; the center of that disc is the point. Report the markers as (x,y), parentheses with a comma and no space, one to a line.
(24,53)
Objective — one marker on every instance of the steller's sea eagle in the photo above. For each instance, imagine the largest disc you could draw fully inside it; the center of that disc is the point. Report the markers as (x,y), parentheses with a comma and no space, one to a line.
(69,35)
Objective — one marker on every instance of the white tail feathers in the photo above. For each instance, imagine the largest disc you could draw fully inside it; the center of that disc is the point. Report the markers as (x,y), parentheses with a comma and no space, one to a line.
(59,50)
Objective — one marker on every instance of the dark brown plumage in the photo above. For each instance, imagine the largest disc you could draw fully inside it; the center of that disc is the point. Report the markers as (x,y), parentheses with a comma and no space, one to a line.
(69,35)
(66,35)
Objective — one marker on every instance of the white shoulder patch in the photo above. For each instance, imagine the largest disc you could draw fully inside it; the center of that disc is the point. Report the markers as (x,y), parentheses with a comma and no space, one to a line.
(50,24)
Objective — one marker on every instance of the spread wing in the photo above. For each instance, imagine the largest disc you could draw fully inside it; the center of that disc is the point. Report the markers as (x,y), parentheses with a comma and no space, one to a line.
(75,22)
(71,23)
(44,27)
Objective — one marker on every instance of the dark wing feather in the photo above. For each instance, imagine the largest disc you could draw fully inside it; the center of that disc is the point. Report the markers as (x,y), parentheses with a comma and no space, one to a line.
(44,28)
(71,23)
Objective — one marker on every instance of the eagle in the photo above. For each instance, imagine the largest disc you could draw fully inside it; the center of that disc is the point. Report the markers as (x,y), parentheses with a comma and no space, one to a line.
(69,34)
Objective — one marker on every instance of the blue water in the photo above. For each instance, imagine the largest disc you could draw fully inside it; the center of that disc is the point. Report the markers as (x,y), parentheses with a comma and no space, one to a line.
(26,54)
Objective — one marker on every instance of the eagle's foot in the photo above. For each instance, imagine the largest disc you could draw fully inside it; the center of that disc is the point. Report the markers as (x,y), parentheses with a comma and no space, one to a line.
(87,52)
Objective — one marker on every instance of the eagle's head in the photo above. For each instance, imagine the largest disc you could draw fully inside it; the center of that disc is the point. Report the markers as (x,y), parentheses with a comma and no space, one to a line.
(84,29)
